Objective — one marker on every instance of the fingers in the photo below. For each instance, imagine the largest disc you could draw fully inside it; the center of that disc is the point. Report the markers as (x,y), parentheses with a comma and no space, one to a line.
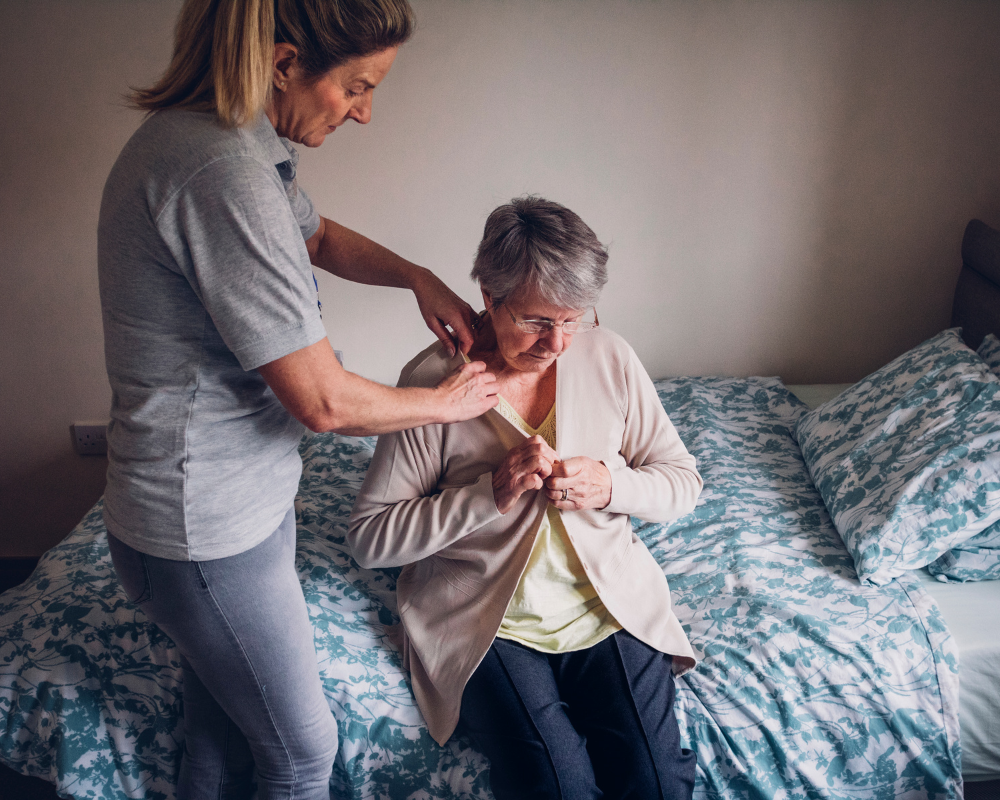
(587,484)
(442,308)
(570,476)
(530,482)
(523,469)
(533,456)
(462,326)
(571,467)
(538,465)
(439,330)
(466,392)
(472,375)
(474,366)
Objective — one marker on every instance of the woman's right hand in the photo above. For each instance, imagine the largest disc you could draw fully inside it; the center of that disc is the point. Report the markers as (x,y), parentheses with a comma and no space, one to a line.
(523,469)
(467,392)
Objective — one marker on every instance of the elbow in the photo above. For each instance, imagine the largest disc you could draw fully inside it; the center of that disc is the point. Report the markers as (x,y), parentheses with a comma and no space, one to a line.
(315,424)
(326,419)
(680,501)
(354,541)
(690,500)
(359,541)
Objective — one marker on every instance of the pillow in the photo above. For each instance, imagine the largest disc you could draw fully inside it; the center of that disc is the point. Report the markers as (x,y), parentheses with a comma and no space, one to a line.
(908,459)
(989,351)
(978,558)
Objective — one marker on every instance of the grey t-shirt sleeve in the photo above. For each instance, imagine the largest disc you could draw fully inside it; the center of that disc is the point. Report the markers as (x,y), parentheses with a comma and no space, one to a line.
(302,208)
(239,239)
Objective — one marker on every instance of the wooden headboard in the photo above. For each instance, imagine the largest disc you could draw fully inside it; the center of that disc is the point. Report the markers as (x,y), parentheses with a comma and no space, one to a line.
(977,297)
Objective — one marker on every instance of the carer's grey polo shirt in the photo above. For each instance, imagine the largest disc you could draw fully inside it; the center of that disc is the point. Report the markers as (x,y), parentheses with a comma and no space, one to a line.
(204,276)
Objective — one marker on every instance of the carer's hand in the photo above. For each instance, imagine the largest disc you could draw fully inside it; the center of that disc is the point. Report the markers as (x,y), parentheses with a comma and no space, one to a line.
(523,469)
(587,484)
(441,307)
(466,392)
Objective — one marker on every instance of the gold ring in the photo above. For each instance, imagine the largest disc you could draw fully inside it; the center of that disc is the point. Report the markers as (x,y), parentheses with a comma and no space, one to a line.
(565,494)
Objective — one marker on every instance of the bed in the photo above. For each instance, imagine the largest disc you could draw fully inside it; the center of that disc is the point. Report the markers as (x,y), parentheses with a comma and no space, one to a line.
(810,684)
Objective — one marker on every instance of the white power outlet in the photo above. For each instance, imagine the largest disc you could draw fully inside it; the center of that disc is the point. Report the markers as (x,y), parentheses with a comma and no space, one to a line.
(90,438)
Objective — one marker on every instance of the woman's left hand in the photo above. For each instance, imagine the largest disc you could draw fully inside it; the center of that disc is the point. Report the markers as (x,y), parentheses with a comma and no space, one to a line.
(583,482)
(441,307)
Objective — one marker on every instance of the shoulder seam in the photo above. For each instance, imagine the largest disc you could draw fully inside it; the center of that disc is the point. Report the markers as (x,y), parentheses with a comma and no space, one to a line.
(166,203)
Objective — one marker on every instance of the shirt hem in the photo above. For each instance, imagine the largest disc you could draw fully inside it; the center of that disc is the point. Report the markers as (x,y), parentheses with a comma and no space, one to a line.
(574,649)
(184,552)
(273,345)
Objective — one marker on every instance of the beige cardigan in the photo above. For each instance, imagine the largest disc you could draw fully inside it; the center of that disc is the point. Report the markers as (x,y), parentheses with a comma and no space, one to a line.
(427,502)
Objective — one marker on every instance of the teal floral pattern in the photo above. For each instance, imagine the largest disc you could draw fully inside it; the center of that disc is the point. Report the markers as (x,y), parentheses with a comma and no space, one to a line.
(810,685)
(908,459)
(978,558)
(989,351)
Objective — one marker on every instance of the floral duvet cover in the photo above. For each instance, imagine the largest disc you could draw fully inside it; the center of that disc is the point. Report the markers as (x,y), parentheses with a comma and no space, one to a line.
(809,685)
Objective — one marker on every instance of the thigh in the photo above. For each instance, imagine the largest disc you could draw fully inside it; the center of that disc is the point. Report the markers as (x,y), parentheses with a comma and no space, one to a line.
(620,695)
(241,623)
(512,711)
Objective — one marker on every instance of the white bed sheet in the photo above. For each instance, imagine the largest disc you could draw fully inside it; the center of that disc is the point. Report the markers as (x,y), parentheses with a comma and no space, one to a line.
(972,612)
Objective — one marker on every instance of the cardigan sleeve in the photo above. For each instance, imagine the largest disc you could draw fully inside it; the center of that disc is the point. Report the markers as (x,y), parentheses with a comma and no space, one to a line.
(660,481)
(401,516)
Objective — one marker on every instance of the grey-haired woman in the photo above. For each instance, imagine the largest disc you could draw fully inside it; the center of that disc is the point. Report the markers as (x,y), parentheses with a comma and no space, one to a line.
(532,618)
(217,357)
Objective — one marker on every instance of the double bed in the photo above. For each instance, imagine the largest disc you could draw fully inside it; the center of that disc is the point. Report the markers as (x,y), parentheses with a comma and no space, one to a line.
(810,683)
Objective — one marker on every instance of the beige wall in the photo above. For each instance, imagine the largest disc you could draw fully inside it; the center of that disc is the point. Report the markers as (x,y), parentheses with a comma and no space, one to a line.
(784,185)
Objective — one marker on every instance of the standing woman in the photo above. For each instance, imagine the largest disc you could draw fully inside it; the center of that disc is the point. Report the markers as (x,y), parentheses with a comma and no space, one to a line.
(217,357)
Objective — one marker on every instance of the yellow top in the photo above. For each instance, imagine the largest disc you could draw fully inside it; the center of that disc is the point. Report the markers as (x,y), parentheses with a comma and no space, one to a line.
(555,609)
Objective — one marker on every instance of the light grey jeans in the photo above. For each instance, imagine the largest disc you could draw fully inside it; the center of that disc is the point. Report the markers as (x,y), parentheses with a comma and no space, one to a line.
(252,691)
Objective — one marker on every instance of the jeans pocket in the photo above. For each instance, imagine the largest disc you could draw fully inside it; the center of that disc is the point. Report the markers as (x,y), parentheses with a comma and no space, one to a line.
(130,566)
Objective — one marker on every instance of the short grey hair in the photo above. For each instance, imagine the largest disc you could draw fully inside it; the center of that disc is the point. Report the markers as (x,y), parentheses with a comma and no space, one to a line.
(533,243)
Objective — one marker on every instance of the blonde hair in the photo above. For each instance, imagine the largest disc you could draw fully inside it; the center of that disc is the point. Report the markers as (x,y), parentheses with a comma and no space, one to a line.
(224,49)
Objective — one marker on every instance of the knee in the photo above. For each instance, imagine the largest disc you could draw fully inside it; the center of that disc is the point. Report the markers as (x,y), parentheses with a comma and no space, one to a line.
(302,768)
(530,774)
(321,750)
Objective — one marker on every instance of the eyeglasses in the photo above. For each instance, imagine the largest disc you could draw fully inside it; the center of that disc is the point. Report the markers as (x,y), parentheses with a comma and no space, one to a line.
(546,325)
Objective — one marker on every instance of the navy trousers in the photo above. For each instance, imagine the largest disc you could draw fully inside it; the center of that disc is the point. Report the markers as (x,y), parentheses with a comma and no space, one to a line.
(594,723)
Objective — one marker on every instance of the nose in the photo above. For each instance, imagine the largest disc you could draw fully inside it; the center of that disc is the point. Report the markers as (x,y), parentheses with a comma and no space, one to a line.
(554,340)
(362,111)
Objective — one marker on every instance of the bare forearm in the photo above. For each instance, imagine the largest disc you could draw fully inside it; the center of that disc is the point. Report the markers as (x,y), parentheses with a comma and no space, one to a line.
(366,408)
(323,396)
(349,255)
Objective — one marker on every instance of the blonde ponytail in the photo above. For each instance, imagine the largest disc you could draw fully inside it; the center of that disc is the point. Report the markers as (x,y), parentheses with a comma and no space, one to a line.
(242,58)
(224,49)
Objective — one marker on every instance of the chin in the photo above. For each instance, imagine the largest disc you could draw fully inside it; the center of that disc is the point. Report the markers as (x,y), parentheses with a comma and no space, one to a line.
(532,364)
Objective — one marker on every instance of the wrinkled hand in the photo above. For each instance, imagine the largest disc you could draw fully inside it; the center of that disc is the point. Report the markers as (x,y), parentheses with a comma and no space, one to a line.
(441,307)
(523,469)
(588,484)
(467,392)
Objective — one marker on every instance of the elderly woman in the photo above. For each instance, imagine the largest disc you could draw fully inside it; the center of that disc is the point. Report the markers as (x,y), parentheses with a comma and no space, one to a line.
(217,357)
(531,615)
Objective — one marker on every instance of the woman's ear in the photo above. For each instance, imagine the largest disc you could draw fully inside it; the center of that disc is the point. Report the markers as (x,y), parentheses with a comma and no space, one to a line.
(487,302)
(286,65)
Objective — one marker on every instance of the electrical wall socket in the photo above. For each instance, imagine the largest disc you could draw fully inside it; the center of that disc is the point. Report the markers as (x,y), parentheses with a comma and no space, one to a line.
(90,438)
